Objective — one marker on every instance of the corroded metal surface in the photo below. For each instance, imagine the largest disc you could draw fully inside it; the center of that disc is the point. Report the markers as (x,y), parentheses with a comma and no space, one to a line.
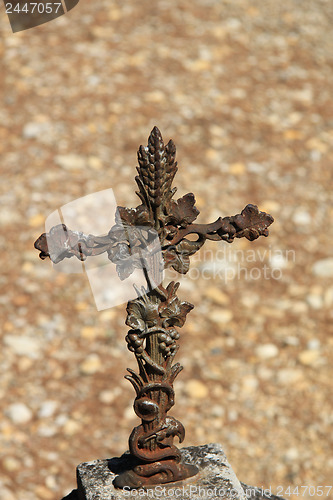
(173,220)
(153,339)
(156,314)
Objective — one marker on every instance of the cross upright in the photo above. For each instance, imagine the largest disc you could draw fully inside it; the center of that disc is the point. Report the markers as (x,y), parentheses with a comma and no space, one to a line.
(157,312)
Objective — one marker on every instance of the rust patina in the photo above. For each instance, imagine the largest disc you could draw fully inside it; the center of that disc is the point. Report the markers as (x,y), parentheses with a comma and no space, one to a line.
(156,314)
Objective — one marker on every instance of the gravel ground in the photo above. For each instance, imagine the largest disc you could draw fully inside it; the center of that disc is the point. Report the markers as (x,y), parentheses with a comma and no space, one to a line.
(245,90)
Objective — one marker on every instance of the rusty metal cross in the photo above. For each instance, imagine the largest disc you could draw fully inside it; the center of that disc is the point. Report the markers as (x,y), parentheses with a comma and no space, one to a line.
(157,311)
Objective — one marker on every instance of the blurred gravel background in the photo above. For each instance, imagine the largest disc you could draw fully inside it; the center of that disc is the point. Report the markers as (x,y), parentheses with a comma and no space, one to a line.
(245,91)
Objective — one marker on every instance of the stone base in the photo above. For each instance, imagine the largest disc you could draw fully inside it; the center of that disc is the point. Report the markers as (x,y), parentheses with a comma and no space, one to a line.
(215,480)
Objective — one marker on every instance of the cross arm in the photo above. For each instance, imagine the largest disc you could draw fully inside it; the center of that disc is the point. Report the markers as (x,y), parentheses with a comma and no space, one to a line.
(172,220)
(61,242)
(250,223)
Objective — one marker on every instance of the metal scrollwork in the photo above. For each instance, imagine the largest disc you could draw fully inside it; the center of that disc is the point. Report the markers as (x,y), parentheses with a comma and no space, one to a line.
(155,315)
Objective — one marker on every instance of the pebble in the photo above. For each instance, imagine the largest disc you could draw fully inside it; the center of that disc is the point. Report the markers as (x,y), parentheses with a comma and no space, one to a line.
(313,344)
(129,412)
(289,376)
(222,269)
(11,464)
(89,332)
(70,162)
(256,168)
(314,301)
(328,297)
(302,217)
(8,216)
(278,261)
(47,409)
(218,411)
(299,307)
(71,427)
(24,363)
(107,315)
(95,163)
(291,340)
(309,357)
(250,300)
(237,168)
(35,130)
(61,420)
(196,389)
(270,206)
(267,351)
(92,364)
(23,345)
(221,316)
(107,396)
(230,342)
(250,384)
(296,290)
(44,493)
(19,413)
(323,268)
(232,415)
(6,494)
(291,455)
(37,220)
(47,430)
(217,296)
(51,482)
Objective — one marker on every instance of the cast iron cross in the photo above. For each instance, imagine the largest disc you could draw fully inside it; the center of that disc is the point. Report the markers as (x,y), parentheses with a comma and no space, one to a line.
(157,311)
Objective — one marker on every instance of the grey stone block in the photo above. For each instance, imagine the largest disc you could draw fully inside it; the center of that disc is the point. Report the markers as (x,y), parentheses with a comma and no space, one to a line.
(215,480)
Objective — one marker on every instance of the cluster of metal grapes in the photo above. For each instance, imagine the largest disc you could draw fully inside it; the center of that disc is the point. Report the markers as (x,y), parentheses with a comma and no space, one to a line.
(167,341)
(134,342)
